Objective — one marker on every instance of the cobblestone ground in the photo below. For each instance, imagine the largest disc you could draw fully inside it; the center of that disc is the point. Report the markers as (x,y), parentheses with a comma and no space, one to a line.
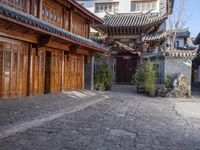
(119,121)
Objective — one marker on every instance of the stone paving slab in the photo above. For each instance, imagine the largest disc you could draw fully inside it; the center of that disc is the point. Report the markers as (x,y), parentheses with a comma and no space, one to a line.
(18,110)
(188,109)
(124,121)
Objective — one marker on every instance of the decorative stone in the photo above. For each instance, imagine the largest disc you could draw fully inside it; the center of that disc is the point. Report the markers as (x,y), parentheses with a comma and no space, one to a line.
(181,87)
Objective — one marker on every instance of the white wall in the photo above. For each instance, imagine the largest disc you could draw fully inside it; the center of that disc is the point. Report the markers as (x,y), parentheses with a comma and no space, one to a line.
(124,6)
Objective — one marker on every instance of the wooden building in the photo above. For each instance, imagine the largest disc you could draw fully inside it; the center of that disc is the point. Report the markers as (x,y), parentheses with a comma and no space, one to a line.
(45,46)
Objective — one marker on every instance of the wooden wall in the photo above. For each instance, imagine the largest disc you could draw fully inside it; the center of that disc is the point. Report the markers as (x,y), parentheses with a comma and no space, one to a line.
(19,77)
(26,68)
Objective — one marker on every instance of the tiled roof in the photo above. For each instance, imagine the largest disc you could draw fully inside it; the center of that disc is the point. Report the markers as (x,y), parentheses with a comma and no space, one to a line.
(31,20)
(175,54)
(164,34)
(155,36)
(180,54)
(130,20)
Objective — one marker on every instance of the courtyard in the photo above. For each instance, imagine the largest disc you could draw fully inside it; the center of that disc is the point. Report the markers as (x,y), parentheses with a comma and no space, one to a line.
(89,120)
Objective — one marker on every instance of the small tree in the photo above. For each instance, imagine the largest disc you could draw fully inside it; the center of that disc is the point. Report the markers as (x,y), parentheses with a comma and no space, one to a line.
(103,78)
(150,78)
(177,21)
(145,78)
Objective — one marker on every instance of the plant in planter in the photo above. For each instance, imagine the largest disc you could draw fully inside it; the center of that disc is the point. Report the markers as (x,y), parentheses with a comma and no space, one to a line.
(103,78)
(150,78)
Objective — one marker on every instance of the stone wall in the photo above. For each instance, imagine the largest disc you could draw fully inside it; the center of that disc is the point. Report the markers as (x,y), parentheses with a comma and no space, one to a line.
(176,66)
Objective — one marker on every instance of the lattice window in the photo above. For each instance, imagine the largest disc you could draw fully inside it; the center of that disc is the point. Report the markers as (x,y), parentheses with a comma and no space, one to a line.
(52,13)
(7,60)
(17,4)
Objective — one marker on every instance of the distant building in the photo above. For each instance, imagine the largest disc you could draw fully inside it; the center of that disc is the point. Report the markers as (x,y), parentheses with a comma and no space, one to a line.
(101,7)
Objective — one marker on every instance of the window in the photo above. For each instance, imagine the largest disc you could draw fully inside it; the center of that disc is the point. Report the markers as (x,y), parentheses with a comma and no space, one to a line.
(133,6)
(154,5)
(143,6)
(148,6)
(110,8)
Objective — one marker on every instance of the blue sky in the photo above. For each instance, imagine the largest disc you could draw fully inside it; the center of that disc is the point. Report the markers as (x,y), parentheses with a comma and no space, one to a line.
(193,15)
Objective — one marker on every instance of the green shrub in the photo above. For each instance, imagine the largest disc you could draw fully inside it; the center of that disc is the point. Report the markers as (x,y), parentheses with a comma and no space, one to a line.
(168,82)
(150,78)
(145,77)
(103,78)
(139,76)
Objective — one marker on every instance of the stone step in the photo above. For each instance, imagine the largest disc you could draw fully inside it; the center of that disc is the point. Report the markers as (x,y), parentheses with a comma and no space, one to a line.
(123,88)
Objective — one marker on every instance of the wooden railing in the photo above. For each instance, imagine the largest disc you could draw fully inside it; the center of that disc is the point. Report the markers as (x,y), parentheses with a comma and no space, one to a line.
(17,4)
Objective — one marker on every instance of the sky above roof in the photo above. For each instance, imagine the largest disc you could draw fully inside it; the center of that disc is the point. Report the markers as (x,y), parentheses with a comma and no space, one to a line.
(192,15)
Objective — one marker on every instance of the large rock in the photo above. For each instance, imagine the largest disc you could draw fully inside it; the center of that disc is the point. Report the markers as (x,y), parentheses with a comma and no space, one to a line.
(181,87)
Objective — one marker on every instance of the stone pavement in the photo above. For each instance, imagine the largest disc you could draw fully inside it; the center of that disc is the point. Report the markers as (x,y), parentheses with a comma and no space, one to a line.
(94,121)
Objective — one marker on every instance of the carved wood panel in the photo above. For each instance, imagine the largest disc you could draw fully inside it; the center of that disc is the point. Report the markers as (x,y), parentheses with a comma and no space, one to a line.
(13,69)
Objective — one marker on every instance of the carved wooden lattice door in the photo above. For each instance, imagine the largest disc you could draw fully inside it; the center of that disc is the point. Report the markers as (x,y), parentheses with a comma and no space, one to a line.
(13,69)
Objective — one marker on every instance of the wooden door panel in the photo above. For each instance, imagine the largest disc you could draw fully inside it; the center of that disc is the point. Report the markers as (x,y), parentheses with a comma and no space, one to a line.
(73,72)
(14,65)
(13,77)
(56,72)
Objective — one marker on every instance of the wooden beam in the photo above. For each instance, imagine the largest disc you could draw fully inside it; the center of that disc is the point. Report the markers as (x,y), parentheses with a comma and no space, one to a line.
(43,40)
(17,35)
(73,49)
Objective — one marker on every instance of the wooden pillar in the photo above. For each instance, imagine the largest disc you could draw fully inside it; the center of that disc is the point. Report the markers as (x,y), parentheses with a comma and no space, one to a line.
(39,10)
(30,71)
(63,71)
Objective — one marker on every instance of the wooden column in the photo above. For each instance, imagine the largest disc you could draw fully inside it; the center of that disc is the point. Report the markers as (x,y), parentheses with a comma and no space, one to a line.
(30,71)
(39,9)
(63,71)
